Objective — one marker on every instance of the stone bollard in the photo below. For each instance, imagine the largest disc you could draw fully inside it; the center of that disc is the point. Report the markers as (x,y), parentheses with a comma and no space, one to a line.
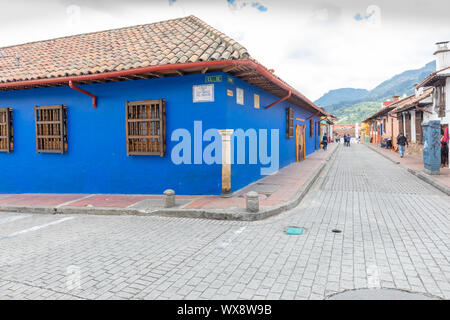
(169,198)
(252,201)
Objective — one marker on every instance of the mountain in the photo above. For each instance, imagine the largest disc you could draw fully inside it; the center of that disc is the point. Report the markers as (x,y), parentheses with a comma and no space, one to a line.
(402,83)
(341,95)
(354,105)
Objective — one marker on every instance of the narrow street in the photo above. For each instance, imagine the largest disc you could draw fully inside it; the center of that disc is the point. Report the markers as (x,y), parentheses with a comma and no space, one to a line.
(395,233)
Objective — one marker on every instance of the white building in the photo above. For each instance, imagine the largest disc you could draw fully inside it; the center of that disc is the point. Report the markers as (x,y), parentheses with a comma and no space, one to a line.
(440,81)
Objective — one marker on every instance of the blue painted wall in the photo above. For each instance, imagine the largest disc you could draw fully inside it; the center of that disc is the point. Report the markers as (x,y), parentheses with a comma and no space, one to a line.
(96,161)
(247,116)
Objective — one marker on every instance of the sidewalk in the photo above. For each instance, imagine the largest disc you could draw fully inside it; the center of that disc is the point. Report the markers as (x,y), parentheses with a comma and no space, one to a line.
(415,166)
(279,192)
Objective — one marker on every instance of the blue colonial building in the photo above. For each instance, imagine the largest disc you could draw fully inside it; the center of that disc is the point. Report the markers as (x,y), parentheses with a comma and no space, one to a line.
(175,104)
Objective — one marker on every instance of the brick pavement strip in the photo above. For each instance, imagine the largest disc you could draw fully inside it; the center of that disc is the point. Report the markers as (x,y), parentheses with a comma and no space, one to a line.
(275,204)
(395,234)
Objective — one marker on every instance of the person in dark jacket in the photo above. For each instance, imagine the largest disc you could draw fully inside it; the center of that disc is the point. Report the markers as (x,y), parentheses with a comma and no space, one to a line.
(402,142)
(325,142)
(444,150)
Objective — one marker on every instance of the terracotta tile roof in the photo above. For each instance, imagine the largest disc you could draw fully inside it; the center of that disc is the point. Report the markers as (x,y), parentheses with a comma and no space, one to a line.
(128,53)
(180,40)
(401,104)
(430,79)
(412,101)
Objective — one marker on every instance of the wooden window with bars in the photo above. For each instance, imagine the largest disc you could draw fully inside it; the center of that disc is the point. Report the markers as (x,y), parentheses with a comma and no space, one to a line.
(289,123)
(51,129)
(419,119)
(146,127)
(407,132)
(311,127)
(6,130)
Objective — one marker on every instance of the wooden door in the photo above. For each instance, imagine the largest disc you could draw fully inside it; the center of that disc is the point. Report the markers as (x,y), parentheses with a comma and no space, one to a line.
(315,135)
(300,142)
(392,131)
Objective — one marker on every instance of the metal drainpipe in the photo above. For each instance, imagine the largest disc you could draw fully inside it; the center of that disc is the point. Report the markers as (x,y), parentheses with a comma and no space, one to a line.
(94,98)
(280,100)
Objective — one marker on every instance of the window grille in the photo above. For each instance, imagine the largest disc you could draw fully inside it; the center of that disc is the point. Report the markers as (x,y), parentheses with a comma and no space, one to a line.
(51,129)
(419,119)
(146,127)
(289,123)
(6,130)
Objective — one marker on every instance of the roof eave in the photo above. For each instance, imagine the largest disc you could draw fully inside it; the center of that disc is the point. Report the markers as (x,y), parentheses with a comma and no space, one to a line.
(218,65)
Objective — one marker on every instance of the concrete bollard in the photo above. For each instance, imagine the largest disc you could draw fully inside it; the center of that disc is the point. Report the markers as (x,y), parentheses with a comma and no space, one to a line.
(252,201)
(169,198)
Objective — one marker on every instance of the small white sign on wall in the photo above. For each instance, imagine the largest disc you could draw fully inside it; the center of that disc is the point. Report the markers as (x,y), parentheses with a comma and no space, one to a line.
(239,96)
(203,93)
(256,101)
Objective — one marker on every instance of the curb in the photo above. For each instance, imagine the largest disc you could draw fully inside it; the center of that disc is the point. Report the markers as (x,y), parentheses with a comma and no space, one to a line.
(241,214)
(425,177)
(236,214)
(421,175)
(382,154)
(72,210)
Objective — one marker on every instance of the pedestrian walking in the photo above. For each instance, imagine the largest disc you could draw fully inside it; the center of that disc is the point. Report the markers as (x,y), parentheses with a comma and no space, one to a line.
(325,142)
(402,142)
(338,139)
(347,140)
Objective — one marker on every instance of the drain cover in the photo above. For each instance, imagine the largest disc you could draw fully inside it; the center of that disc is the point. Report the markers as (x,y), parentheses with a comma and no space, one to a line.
(296,231)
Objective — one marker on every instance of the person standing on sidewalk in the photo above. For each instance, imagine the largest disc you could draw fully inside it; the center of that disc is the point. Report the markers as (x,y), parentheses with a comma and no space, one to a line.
(444,148)
(325,142)
(402,142)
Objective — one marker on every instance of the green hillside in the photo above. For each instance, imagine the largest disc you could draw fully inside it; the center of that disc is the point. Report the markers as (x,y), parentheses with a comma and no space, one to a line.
(350,110)
(341,95)
(357,112)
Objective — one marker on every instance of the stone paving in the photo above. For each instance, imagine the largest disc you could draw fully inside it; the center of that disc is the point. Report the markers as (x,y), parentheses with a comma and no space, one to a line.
(395,234)
(413,163)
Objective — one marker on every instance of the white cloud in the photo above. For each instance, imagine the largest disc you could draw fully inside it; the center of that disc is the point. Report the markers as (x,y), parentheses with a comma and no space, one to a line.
(313,46)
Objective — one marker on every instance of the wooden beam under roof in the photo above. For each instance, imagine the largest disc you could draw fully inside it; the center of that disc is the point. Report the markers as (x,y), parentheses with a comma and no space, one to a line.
(228,69)
(246,73)
(154,74)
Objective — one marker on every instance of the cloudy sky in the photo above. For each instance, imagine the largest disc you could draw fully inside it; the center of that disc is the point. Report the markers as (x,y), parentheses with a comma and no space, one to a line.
(314,45)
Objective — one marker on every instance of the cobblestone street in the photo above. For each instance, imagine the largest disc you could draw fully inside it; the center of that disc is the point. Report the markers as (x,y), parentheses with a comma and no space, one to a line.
(395,234)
